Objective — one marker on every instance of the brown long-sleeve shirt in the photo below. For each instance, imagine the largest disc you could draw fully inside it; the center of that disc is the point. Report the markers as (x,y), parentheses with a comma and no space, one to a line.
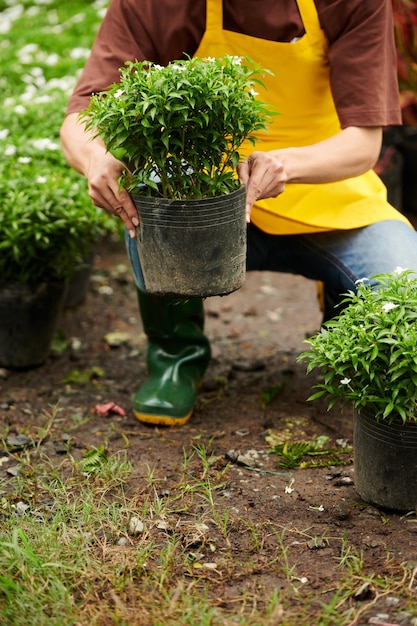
(361,53)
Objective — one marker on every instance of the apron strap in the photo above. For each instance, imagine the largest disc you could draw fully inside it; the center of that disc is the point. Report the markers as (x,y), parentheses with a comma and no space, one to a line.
(309,16)
(214,15)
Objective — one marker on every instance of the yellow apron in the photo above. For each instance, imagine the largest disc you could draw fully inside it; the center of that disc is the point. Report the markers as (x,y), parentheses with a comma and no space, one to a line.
(300,91)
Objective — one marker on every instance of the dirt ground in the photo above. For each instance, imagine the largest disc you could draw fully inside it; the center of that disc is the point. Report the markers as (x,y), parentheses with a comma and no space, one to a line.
(253,389)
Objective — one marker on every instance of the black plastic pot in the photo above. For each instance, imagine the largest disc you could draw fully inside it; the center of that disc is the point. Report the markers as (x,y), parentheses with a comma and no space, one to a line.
(192,248)
(385,462)
(408,148)
(28,319)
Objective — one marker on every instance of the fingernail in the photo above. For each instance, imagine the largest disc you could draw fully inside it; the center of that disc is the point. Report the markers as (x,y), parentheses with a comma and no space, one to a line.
(132,234)
(135,221)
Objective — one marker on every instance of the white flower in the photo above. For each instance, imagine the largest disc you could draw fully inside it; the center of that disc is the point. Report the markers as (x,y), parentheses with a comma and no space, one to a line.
(387,306)
(3,133)
(41,179)
(399,270)
(345,381)
(253,92)
(79,53)
(361,280)
(10,150)
(24,160)
(118,93)
(44,144)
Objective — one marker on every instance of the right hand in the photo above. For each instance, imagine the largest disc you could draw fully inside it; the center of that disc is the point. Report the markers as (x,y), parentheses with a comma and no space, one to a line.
(102,173)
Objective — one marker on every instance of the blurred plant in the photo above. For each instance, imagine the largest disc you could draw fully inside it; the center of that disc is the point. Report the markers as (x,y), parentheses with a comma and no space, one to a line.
(405,26)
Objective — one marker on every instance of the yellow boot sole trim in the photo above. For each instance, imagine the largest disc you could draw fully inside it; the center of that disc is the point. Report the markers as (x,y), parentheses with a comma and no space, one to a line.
(162,420)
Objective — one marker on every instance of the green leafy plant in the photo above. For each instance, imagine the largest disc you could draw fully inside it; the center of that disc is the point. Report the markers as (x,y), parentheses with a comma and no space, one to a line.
(179,128)
(368,353)
(47,222)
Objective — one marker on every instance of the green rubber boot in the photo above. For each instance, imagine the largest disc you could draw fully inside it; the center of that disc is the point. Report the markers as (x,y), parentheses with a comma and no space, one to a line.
(178,355)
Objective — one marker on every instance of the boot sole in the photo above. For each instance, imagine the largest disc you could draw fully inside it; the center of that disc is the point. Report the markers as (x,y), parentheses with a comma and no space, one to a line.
(162,420)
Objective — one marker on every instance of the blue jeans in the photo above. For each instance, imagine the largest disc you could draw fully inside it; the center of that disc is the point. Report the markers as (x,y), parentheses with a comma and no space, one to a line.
(336,258)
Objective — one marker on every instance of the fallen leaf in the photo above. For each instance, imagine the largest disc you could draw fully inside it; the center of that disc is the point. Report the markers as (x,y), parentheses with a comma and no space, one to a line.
(109,407)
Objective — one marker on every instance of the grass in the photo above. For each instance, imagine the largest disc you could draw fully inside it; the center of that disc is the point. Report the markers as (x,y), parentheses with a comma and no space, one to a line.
(71,550)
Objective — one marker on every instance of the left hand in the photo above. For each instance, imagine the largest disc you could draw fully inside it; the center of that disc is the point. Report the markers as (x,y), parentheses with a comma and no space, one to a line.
(264,175)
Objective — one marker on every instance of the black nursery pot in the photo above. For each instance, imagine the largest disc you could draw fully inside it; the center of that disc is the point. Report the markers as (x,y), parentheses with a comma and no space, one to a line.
(192,248)
(385,462)
(28,319)
(408,148)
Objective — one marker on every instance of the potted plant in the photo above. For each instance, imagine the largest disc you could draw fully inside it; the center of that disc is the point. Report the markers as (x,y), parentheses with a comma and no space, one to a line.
(45,233)
(180,130)
(398,164)
(368,356)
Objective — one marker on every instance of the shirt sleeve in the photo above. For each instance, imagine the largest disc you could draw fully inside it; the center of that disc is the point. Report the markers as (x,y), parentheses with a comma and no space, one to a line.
(362,61)
(133,30)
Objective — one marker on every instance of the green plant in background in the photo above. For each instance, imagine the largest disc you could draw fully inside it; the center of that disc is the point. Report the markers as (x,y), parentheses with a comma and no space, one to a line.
(182,125)
(368,354)
(47,222)
(405,26)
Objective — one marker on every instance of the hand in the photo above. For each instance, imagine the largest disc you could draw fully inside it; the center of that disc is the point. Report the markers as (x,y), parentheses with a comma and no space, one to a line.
(264,175)
(102,173)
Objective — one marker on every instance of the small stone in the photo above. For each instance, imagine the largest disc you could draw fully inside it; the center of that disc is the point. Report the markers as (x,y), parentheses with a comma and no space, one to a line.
(162,525)
(391,601)
(122,541)
(21,507)
(18,441)
(377,619)
(135,526)
(343,482)
(14,471)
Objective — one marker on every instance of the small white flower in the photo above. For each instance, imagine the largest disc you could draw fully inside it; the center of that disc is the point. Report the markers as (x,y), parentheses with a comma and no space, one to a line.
(10,150)
(118,93)
(345,381)
(41,179)
(44,144)
(387,306)
(361,280)
(253,92)
(79,53)
(237,60)
(3,133)
(24,160)
(399,270)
